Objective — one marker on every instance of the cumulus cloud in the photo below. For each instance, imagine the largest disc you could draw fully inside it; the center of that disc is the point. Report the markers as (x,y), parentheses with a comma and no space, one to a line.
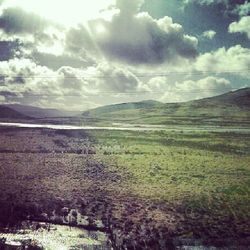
(209,85)
(134,38)
(24,34)
(79,42)
(242,26)
(46,64)
(196,89)
(143,40)
(234,60)
(129,7)
(116,79)
(23,76)
(210,34)
(22,79)
(158,83)
(26,82)
(55,62)
(243,9)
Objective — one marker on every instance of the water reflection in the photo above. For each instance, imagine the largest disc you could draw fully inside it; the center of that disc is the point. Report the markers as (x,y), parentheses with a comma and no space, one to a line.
(52,237)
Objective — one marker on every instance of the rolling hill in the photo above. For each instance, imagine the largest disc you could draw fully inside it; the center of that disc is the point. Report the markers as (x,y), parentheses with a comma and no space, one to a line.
(9,113)
(231,107)
(36,112)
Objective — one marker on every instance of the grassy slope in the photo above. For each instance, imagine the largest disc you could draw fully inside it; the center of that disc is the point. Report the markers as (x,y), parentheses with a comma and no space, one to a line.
(232,107)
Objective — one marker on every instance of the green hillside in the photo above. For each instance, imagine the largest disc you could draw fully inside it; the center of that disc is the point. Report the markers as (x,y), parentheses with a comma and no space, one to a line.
(230,108)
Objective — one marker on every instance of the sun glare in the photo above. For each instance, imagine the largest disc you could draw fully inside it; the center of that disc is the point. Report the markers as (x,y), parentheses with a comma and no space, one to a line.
(67,12)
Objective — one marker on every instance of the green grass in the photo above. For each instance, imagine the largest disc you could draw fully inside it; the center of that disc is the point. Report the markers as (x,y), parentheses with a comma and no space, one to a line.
(203,170)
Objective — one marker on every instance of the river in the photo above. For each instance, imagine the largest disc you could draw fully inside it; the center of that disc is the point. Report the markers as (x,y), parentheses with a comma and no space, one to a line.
(129,127)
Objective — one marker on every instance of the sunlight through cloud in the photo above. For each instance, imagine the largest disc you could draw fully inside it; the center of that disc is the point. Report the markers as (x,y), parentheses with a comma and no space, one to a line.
(66,12)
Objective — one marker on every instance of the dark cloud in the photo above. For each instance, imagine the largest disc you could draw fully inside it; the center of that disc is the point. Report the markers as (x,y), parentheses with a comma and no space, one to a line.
(231,7)
(78,40)
(9,49)
(44,63)
(57,61)
(140,39)
(116,79)
(133,38)
(8,94)
(17,21)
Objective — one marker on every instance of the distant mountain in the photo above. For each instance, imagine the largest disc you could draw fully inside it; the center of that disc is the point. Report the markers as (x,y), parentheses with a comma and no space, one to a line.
(36,112)
(233,106)
(9,113)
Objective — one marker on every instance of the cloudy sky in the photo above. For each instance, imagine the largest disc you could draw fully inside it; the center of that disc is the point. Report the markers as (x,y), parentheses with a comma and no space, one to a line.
(79,54)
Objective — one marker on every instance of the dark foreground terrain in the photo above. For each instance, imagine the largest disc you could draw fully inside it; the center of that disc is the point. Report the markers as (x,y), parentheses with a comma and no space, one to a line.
(145,190)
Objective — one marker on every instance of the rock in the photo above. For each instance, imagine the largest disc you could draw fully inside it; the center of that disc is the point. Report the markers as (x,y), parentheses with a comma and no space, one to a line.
(65,211)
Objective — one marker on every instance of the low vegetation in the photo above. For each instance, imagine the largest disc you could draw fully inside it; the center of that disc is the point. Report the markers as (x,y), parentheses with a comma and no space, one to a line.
(146,187)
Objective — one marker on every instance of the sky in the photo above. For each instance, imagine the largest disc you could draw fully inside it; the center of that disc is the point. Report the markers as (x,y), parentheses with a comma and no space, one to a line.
(80,54)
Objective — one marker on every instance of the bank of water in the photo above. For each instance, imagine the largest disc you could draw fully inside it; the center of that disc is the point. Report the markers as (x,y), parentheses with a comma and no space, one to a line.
(48,236)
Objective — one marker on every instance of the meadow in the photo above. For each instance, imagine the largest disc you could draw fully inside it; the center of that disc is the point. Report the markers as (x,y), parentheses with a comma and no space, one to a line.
(205,174)
(145,189)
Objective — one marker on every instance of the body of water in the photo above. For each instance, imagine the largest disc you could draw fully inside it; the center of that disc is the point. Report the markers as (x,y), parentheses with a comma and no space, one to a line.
(128,127)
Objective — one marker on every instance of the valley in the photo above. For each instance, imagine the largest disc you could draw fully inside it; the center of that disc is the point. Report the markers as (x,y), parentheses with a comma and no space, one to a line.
(132,184)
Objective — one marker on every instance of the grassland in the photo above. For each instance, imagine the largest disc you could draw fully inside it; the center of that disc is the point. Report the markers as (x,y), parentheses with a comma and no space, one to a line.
(146,187)
(183,164)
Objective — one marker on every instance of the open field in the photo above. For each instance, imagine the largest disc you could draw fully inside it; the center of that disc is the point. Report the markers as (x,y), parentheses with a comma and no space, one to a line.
(145,189)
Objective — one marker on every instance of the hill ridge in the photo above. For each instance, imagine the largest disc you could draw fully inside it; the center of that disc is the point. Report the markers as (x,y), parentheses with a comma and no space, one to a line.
(218,108)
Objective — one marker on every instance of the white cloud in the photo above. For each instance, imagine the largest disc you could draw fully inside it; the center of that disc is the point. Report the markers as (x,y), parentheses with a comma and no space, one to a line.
(234,60)
(23,79)
(243,9)
(196,89)
(159,83)
(2,99)
(242,26)
(210,34)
